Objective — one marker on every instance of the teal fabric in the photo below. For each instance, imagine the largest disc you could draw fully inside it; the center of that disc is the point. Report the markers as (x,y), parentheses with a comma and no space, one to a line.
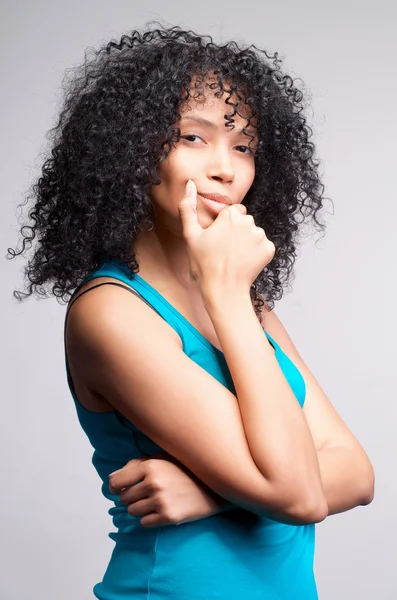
(234,555)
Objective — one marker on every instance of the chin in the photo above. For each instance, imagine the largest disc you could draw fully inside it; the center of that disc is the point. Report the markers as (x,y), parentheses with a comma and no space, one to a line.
(205,219)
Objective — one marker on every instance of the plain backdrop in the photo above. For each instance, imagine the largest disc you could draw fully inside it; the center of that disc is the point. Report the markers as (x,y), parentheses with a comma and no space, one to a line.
(340,312)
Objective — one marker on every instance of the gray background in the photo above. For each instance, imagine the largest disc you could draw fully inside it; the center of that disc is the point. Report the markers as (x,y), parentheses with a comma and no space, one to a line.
(341,314)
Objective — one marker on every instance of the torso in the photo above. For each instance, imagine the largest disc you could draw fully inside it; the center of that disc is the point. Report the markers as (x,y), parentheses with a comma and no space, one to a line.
(189,304)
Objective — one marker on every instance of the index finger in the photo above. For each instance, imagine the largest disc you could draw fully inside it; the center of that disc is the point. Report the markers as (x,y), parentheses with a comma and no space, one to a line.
(133,472)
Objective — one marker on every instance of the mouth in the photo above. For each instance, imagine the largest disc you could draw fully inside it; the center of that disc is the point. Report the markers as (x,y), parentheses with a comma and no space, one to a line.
(216,197)
(214,206)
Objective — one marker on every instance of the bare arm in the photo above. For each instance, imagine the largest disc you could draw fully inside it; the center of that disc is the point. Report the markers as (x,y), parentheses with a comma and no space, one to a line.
(190,415)
(277,432)
(347,474)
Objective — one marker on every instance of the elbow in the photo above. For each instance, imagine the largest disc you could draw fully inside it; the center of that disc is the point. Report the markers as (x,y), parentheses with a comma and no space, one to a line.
(310,505)
(313,510)
(368,487)
(368,497)
(306,508)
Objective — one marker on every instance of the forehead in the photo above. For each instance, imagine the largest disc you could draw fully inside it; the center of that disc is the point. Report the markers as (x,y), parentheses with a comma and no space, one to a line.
(212,104)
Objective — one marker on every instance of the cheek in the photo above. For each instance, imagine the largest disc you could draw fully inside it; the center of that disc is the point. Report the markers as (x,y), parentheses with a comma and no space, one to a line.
(249,177)
(174,170)
(181,167)
(169,192)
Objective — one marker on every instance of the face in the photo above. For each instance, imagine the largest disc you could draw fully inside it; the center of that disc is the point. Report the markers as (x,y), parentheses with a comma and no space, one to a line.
(215,157)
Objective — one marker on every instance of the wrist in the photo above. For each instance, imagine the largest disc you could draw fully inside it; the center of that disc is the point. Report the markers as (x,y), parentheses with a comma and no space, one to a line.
(217,299)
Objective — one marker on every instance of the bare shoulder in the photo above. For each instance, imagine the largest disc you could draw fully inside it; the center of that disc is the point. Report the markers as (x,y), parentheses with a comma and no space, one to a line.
(100,310)
(128,354)
(107,302)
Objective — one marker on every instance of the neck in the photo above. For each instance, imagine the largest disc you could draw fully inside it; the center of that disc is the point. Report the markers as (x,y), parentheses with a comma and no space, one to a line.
(162,254)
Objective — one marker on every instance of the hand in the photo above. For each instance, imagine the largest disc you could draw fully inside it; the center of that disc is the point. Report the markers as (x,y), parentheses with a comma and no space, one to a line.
(231,252)
(163,492)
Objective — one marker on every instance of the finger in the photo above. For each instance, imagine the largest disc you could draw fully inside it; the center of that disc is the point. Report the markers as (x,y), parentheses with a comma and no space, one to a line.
(155,519)
(240,208)
(136,492)
(142,507)
(152,520)
(188,210)
(132,473)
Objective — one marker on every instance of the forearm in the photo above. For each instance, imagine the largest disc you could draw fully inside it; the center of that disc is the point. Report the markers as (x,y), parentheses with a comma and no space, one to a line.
(347,480)
(277,433)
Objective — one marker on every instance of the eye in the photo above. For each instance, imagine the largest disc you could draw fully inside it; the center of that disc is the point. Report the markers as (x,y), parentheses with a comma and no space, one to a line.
(185,137)
(246,148)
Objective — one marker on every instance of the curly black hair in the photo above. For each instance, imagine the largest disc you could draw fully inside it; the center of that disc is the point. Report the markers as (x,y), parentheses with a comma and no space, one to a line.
(117,125)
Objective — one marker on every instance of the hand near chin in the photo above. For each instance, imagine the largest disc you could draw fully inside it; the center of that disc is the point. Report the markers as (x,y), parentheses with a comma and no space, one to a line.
(162,491)
(227,256)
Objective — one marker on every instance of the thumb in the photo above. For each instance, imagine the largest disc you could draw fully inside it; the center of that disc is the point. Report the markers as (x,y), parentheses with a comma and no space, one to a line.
(188,210)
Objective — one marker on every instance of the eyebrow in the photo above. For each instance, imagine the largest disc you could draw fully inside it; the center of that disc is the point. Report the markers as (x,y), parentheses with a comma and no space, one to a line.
(211,124)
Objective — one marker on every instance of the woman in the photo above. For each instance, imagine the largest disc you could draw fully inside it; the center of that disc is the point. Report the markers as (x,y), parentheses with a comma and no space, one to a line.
(192,164)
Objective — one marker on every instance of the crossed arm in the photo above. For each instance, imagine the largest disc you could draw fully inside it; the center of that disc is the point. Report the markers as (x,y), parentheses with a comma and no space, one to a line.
(346,471)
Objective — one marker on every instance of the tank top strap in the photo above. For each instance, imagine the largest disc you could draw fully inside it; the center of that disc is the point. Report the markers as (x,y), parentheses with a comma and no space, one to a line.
(120,271)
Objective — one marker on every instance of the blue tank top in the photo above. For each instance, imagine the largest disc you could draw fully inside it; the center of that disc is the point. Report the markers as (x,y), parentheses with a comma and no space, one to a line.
(234,555)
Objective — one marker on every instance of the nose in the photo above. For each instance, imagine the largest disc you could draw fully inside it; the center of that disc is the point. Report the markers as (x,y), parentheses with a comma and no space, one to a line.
(221,166)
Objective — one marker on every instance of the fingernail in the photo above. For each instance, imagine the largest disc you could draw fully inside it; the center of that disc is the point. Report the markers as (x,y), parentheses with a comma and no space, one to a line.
(188,188)
(114,472)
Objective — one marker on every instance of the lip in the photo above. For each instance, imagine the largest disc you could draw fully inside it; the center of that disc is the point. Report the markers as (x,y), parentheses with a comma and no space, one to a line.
(213,205)
(216,197)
